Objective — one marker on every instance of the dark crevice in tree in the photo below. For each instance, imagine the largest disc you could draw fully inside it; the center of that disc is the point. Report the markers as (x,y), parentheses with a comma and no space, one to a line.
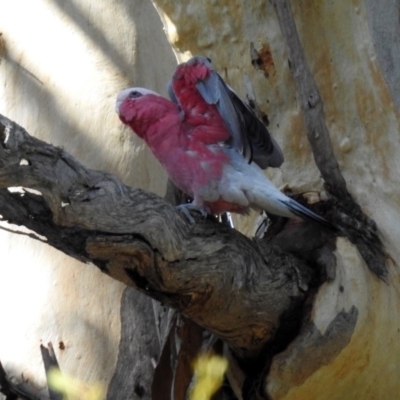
(291,323)
(358,227)
(317,348)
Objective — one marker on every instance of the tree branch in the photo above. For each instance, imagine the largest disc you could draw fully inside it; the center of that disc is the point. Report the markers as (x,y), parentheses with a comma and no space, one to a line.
(357,226)
(238,288)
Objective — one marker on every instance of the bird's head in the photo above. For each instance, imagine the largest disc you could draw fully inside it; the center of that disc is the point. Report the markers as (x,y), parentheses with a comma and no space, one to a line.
(139,108)
(127,102)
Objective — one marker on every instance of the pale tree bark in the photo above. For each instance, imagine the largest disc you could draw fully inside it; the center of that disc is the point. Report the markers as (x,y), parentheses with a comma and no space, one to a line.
(348,211)
(256,295)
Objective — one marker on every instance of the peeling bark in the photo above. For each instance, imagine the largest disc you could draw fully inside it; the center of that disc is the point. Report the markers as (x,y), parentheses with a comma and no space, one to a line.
(357,226)
(237,288)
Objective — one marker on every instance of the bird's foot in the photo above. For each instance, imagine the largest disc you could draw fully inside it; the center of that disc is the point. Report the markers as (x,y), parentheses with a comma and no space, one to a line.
(184,209)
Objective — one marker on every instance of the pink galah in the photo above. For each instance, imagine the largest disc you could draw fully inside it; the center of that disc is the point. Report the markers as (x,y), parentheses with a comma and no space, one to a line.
(197,154)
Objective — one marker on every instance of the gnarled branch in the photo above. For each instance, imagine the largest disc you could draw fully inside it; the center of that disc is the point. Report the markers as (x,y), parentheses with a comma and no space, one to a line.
(238,288)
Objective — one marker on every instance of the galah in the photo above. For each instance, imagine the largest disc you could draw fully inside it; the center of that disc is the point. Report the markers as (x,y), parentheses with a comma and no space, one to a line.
(195,148)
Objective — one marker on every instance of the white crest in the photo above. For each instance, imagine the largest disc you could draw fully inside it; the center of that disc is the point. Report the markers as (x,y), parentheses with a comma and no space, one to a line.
(123,94)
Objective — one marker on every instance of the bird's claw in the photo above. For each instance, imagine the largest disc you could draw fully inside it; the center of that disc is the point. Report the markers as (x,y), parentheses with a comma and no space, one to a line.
(184,209)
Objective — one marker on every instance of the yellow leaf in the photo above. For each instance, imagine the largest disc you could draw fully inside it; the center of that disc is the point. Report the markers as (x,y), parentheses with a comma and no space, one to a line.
(209,371)
(73,389)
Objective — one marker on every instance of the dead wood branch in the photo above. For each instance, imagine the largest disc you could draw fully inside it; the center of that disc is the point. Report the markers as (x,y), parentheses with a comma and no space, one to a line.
(238,288)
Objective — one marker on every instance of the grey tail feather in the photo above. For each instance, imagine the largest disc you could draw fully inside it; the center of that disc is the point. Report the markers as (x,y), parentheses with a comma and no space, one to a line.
(303,212)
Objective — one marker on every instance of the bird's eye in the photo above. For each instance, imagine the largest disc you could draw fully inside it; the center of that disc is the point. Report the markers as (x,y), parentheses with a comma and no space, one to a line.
(135,94)
(209,60)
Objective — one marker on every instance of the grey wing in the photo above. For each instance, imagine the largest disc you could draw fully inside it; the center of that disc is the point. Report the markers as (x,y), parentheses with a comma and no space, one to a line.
(255,140)
(249,135)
